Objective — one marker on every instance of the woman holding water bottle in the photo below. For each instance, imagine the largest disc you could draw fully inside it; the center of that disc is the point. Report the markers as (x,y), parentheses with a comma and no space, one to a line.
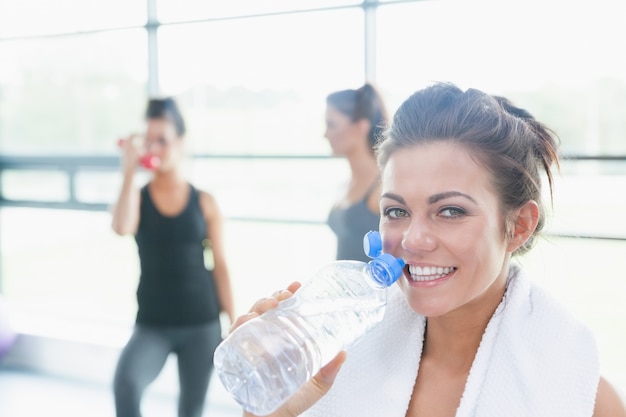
(465,332)
(176,226)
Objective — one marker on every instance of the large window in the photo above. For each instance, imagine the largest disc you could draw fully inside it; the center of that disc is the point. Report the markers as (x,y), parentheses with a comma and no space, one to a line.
(253,91)
(252,78)
(27,18)
(71,94)
(557,58)
(257,85)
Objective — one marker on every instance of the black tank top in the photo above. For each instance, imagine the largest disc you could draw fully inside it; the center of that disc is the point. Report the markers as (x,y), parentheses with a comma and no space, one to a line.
(175,287)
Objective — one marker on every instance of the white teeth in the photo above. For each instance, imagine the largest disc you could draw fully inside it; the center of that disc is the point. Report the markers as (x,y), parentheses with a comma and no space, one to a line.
(429,273)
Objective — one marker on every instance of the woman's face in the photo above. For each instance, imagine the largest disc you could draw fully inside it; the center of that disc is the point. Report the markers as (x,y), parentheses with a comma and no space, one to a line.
(162,141)
(342,134)
(440,213)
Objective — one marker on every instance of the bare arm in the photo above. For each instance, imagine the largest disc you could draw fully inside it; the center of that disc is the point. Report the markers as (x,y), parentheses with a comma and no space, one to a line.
(125,211)
(608,401)
(215,222)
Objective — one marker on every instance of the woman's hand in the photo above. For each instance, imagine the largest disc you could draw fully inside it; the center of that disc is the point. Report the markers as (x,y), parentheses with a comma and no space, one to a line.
(131,155)
(314,389)
(265,304)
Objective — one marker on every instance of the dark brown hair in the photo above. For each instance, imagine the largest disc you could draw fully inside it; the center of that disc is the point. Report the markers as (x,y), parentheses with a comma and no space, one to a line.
(166,108)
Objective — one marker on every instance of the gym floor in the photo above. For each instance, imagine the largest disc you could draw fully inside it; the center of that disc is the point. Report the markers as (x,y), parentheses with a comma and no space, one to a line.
(30,394)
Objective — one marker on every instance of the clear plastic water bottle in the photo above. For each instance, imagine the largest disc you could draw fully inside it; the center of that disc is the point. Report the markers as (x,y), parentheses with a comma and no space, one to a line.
(264,361)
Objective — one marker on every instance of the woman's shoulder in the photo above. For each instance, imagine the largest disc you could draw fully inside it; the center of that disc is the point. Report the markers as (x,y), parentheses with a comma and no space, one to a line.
(205,196)
(609,402)
(207,201)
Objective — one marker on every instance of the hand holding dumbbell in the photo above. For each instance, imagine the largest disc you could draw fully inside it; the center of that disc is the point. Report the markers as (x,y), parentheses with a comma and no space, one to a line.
(146,160)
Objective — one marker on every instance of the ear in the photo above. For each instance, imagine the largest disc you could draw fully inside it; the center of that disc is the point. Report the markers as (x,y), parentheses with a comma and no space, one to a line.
(524,224)
(363,126)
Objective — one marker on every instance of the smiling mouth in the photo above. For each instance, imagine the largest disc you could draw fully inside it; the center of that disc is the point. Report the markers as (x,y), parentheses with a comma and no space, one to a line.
(429,273)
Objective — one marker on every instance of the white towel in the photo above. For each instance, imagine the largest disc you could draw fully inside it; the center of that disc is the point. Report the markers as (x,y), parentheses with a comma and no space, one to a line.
(535,359)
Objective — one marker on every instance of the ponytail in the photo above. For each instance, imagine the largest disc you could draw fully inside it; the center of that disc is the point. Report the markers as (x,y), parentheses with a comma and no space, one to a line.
(546,141)
(369,105)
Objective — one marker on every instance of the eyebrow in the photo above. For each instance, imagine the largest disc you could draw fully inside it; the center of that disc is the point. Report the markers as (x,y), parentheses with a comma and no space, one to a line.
(432,199)
(393,196)
(442,196)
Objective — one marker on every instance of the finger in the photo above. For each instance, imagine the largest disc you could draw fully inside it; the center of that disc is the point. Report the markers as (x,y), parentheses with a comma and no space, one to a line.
(294,286)
(282,295)
(242,319)
(315,389)
(263,305)
(126,141)
(329,372)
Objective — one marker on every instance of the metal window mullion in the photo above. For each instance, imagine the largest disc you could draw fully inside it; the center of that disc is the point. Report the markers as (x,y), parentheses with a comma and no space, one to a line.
(152,27)
(71,183)
(369,12)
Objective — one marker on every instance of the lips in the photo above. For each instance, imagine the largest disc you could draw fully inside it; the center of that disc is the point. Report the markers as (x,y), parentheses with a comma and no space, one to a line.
(429,273)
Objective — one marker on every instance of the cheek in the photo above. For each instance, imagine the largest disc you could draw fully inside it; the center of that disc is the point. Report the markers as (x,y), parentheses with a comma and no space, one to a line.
(334,138)
(483,246)
(170,153)
(474,242)
(465,240)
(391,237)
(342,133)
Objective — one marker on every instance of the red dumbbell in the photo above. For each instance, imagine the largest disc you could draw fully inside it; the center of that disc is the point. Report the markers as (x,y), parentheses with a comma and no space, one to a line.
(147,161)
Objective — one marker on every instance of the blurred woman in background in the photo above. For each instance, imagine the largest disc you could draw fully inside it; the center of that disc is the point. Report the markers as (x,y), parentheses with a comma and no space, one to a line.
(179,299)
(354,121)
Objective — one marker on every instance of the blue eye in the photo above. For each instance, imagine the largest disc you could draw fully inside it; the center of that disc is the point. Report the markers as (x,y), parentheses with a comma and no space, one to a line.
(452,212)
(395,213)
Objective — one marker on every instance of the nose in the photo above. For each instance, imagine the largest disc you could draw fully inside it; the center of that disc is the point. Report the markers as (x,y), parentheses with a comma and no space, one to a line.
(418,237)
(152,147)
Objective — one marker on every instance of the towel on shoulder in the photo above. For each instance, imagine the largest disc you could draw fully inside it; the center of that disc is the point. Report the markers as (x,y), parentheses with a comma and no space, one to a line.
(535,359)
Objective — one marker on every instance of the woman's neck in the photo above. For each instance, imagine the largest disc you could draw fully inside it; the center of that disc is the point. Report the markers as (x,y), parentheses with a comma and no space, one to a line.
(453,339)
(168,178)
(363,167)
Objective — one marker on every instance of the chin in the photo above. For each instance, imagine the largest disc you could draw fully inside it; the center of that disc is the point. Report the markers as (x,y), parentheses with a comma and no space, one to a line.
(426,307)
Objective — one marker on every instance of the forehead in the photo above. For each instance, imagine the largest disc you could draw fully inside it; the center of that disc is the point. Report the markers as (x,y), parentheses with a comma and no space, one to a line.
(160,127)
(435,167)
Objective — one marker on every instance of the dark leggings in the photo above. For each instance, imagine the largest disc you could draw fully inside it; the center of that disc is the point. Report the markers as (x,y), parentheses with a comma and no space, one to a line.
(144,356)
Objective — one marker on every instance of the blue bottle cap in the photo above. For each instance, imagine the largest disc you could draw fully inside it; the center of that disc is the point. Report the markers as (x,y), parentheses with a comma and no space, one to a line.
(372,244)
(385,269)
